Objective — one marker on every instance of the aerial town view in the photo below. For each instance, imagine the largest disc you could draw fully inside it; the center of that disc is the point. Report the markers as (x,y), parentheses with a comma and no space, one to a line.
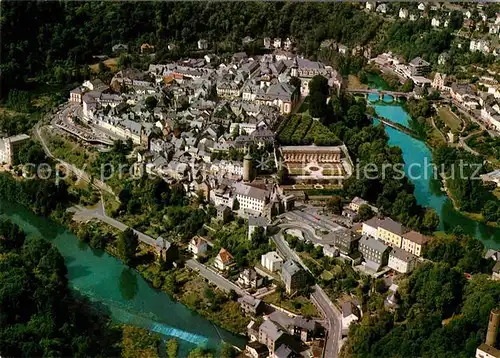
(249,179)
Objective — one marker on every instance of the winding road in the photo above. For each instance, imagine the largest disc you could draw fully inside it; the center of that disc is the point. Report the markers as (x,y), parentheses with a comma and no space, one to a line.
(331,313)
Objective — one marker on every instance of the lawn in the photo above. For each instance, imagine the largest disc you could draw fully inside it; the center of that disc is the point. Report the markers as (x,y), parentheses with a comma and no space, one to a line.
(353,82)
(299,305)
(450,118)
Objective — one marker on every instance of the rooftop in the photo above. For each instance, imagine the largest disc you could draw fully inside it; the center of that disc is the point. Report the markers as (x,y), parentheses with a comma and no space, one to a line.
(291,267)
(417,237)
(402,254)
(374,244)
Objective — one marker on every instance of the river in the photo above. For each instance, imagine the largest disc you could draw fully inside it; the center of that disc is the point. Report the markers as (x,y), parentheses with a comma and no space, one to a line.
(128,297)
(428,190)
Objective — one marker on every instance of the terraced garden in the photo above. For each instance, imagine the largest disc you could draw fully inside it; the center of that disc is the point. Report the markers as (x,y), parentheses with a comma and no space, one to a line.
(303,130)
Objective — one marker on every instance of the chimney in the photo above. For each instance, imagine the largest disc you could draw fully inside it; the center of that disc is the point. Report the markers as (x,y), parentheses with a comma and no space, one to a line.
(493,324)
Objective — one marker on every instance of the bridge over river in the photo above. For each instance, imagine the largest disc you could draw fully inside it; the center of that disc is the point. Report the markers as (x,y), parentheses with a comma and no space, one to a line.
(380,93)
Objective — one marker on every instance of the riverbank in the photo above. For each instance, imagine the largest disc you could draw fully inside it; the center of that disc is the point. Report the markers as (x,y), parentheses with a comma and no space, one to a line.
(428,192)
(124,292)
(180,283)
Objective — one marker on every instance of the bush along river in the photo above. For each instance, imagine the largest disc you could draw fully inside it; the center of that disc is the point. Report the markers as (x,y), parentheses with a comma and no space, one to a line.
(427,189)
(107,282)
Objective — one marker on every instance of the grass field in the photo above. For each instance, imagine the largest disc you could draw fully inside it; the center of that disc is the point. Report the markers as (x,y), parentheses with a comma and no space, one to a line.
(111,63)
(451,120)
(353,82)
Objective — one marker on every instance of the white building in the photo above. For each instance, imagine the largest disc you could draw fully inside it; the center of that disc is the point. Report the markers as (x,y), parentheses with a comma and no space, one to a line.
(255,222)
(486,351)
(250,198)
(479,45)
(435,22)
(272,261)
(224,260)
(9,146)
(198,246)
(403,13)
(421,6)
(350,313)
(371,5)
(401,261)
(202,44)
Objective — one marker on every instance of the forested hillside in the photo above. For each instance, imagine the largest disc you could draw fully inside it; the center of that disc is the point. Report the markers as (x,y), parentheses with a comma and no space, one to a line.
(53,41)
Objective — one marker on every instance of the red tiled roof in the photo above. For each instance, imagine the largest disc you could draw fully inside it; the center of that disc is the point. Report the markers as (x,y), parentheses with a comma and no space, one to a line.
(417,237)
(225,256)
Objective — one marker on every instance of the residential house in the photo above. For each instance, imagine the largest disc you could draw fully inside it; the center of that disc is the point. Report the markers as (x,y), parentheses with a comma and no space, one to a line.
(269,334)
(277,42)
(487,351)
(147,48)
(351,312)
(479,45)
(166,250)
(198,246)
(414,242)
(496,271)
(119,48)
(255,222)
(464,95)
(375,253)
(443,58)
(267,42)
(330,251)
(75,95)
(224,260)
(250,279)
(435,22)
(285,351)
(493,177)
(403,13)
(9,147)
(382,8)
(371,5)
(421,6)
(293,276)
(256,350)
(342,49)
(346,241)
(223,213)
(251,198)
(251,306)
(402,261)
(357,202)
(253,331)
(439,82)
(202,44)
(272,261)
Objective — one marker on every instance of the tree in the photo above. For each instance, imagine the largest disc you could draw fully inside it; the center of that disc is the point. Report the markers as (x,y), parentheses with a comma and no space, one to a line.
(227,351)
(150,102)
(172,348)
(407,86)
(317,104)
(295,81)
(456,20)
(430,221)
(365,212)
(491,210)
(128,242)
(319,84)
(334,204)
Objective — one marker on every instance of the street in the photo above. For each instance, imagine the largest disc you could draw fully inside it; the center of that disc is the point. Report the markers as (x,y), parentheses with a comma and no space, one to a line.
(332,315)
(221,282)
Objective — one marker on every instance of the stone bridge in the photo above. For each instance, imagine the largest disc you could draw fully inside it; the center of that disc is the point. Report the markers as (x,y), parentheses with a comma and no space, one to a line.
(381,93)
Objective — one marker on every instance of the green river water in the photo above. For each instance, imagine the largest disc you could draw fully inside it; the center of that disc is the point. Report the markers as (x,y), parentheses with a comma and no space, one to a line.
(428,190)
(128,297)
